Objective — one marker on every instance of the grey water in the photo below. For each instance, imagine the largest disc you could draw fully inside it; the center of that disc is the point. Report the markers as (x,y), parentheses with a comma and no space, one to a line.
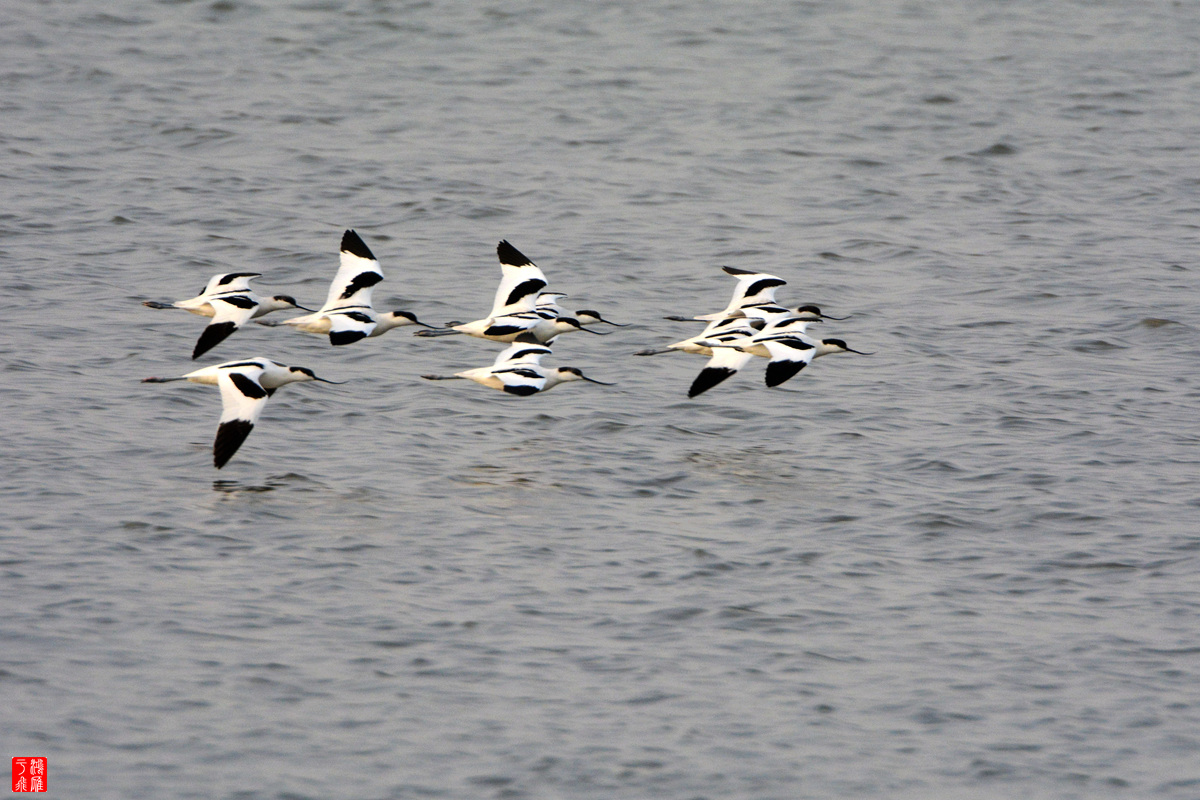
(965,566)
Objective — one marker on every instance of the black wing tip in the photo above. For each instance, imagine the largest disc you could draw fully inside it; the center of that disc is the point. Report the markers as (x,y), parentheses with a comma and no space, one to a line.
(338,338)
(212,336)
(738,271)
(780,371)
(511,256)
(230,436)
(708,378)
(230,277)
(353,244)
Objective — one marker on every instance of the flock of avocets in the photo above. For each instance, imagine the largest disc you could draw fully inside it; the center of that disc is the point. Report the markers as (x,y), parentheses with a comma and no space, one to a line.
(524,316)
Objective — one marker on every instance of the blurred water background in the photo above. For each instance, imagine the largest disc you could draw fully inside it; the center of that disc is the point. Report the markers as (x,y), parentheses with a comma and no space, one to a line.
(965,566)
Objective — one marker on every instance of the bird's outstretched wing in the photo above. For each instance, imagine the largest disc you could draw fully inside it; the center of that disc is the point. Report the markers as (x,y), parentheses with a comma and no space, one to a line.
(229,282)
(525,348)
(242,402)
(231,311)
(356,277)
(725,363)
(520,284)
(753,288)
(789,355)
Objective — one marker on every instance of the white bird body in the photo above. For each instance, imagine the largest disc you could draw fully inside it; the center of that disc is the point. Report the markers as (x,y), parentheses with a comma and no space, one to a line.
(245,386)
(519,378)
(721,329)
(228,300)
(518,370)
(347,314)
(503,328)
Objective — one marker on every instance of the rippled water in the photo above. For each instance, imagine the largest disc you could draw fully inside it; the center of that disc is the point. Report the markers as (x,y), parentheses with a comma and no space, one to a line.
(965,566)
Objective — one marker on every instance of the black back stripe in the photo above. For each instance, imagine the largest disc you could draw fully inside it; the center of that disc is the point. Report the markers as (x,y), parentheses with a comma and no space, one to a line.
(239,300)
(353,244)
(212,336)
(357,316)
(504,330)
(764,284)
(795,344)
(524,372)
(247,386)
(361,281)
(541,351)
(230,436)
(524,289)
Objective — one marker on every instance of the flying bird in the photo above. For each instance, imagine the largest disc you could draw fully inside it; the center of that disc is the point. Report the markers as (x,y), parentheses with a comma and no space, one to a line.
(245,386)
(230,302)
(347,315)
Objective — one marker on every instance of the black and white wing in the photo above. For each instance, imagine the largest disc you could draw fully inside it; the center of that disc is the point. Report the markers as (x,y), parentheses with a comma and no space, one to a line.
(510,324)
(231,311)
(525,349)
(230,282)
(725,363)
(242,401)
(349,326)
(753,288)
(729,326)
(356,277)
(520,284)
(547,305)
(789,355)
(519,379)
